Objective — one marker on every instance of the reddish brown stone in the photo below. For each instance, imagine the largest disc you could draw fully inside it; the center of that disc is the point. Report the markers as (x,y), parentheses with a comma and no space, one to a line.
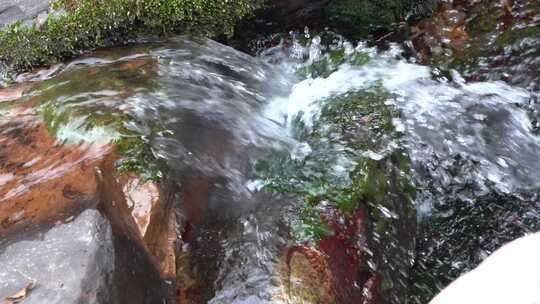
(338,271)
(139,209)
(445,27)
(346,251)
(142,198)
(307,278)
(42,180)
(14,92)
(450,25)
(134,65)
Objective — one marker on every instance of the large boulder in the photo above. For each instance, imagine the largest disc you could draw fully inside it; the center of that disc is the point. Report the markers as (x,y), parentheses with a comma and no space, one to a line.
(56,246)
(72,262)
(82,260)
(42,181)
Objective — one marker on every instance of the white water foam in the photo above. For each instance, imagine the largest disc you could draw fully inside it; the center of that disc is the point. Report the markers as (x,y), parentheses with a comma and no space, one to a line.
(485,122)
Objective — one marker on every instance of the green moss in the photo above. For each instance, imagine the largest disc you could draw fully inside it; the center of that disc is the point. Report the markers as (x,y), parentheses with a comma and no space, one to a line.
(75,123)
(340,170)
(75,109)
(360,111)
(359,17)
(137,156)
(90,24)
(514,35)
(86,125)
(7,106)
(133,147)
(309,225)
(485,19)
(331,61)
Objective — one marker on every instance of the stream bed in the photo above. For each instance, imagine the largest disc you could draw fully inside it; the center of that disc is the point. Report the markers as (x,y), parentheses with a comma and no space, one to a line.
(320,171)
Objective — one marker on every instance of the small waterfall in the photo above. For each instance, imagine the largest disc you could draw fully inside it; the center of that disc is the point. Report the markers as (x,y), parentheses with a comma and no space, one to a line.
(423,151)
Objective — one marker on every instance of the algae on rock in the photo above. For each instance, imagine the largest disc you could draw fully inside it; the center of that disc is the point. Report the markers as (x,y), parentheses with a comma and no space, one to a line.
(355,162)
(77,110)
(90,24)
(350,141)
(483,40)
(360,17)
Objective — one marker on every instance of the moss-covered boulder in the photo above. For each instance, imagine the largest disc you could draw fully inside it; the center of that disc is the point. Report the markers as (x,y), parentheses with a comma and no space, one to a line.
(89,24)
(353,192)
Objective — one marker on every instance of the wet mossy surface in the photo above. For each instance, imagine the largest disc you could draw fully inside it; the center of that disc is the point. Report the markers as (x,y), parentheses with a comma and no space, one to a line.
(358,18)
(493,41)
(91,24)
(515,35)
(349,161)
(464,224)
(354,162)
(76,110)
(330,63)
(137,156)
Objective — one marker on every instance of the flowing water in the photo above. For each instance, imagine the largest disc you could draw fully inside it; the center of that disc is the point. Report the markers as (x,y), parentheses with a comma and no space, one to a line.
(201,116)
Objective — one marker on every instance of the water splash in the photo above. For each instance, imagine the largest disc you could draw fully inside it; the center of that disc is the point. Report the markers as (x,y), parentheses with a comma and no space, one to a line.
(473,146)
(208,113)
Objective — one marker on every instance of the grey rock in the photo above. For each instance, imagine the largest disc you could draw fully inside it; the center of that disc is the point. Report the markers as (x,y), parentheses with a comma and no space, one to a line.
(41,18)
(21,10)
(70,263)
(90,259)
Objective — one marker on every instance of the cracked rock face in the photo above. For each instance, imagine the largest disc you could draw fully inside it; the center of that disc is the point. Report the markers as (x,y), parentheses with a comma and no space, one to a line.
(21,10)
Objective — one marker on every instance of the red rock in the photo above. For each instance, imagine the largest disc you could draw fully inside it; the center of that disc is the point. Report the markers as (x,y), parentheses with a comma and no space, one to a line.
(43,180)
(307,278)
(14,92)
(338,271)
(346,252)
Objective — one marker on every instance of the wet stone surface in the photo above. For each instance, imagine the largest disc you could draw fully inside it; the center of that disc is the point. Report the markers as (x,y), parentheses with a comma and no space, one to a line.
(485,40)
(22,10)
(180,104)
(42,180)
(72,262)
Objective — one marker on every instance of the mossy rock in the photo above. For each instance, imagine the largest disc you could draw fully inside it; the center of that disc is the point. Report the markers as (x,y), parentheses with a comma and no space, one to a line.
(73,111)
(494,43)
(357,18)
(331,61)
(353,164)
(345,135)
(90,24)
